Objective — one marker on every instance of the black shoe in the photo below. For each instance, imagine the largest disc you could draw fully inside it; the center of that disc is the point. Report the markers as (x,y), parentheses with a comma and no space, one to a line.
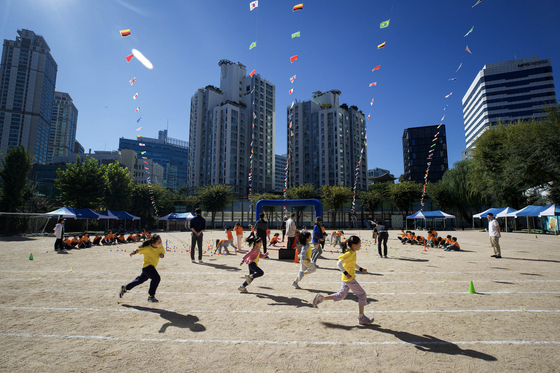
(498,257)
(385,256)
(152,299)
(123,290)
(493,256)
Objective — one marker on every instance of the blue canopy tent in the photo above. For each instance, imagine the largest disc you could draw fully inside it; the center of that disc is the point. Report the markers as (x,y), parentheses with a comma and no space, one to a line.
(527,212)
(120,215)
(289,202)
(430,215)
(63,212)
(498,212)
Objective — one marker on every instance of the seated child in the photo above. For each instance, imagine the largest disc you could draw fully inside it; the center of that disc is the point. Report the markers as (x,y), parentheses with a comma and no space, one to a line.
(120,238)
(97,239)
(431,238)
(274,239)
(149,235)
(413,239)
(144,235)
(132,237)
(67,243)
(454,246)
(85,242)
(75,241)
(221,244)
(420,240)
(440,243)
(108,239)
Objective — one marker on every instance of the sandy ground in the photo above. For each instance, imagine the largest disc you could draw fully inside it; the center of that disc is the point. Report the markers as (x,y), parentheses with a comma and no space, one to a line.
(60,312)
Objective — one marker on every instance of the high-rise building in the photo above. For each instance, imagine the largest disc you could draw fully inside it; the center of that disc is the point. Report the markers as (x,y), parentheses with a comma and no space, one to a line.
(280,171)
(506,92)
(418,145)
(27,82)
(232,129)
(172,154)
(325,141)
(64,123)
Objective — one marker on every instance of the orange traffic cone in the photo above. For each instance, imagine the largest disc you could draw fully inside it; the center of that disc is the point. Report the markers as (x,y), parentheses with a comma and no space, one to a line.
(296,259)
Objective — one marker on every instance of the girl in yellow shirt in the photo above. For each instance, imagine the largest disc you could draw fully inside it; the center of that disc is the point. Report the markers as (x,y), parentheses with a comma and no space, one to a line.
(152,250)
(347,264)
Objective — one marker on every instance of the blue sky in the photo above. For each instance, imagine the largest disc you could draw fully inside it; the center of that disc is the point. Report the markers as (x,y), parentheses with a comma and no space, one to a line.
(185,39)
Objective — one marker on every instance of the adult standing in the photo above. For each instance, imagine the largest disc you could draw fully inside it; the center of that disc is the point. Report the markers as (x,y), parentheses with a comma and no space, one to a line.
(381,234)
(317,239)
(59,234)
(198,225)
(291,230)
(262,227)
(495,234)
(283,228)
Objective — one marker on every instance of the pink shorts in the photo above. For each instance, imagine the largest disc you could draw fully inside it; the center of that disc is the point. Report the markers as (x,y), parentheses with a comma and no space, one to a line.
(356,289)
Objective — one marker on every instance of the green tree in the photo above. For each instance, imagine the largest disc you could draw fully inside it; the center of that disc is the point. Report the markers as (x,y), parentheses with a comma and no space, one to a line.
(511,158)
(404,194)
(119,189)
(302,191)
(144,196)
(82,184)
(371,199)
(335,197)
(15,167)
(440,195)
(214,198)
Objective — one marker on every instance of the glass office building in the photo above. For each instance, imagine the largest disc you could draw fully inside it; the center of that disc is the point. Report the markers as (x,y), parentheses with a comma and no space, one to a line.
(417,145)
(507,92)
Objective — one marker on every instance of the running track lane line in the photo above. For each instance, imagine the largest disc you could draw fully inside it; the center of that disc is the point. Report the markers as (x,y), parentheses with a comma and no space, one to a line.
(266,311)
(372,343)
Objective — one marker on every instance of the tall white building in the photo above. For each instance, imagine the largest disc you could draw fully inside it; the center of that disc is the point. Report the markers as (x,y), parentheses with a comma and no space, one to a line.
(27,82)
(64,123)
(507,91)
(325,141)
(226,123)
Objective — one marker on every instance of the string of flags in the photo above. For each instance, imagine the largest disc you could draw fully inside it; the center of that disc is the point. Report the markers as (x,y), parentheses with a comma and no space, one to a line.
(431,152)
(148,64)
(252,6)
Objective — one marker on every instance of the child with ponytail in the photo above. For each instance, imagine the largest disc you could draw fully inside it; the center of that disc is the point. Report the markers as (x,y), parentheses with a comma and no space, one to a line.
(252,259)
(347,265)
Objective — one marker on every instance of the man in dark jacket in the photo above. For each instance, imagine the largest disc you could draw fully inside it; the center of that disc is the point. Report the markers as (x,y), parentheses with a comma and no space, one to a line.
(262,227)
(198,225)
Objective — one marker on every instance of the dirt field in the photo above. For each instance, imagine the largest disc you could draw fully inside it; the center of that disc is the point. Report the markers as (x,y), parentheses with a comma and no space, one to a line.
(60,312)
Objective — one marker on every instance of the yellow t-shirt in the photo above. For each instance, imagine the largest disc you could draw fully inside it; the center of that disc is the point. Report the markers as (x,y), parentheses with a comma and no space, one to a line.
(349,264)
(151,255)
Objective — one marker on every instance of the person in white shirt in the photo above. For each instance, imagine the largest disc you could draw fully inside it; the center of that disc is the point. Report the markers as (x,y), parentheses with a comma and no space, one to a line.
(291,230)
(59,233)
(495,234)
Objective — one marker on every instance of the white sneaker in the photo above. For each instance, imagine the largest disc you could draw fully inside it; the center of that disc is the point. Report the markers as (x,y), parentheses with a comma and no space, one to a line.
(295,284)
(242,289)
(249,279)
(364,320)
(318,299)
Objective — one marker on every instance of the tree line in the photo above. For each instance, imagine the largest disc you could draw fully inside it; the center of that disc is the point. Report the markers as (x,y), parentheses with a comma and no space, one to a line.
(512,164)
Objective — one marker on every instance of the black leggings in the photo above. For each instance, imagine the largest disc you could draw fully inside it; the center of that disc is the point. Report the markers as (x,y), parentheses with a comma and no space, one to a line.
(382,238)
(254,271)
(147,272)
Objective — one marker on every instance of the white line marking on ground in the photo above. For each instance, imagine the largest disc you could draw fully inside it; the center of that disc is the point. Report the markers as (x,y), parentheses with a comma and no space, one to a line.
(368,343)
(268,311)
(282,294)
(276,282)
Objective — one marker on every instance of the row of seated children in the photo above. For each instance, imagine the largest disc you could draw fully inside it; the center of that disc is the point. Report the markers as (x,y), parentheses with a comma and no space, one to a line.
(411,238)
(115,239)
(77,241)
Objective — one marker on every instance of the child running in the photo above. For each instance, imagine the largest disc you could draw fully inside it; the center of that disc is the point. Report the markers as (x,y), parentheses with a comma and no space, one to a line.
(230,238)
(305,265)
(152,250)
(347,264)
(252,259)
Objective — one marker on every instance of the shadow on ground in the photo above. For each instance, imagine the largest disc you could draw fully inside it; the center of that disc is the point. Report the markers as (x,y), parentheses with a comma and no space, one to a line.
(174,319)
(426,343)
